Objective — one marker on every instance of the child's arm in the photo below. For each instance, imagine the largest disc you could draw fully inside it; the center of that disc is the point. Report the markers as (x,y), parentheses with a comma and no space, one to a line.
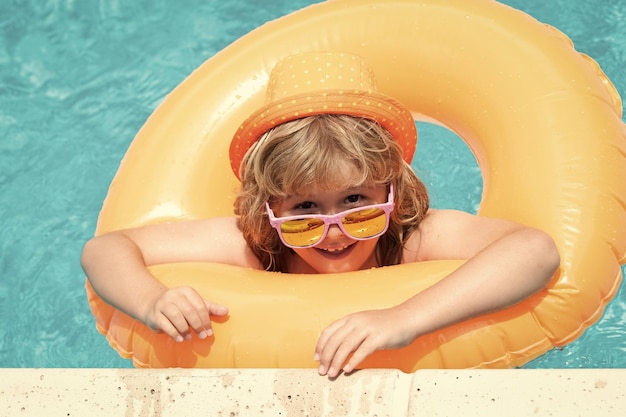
(506,263)
(115,264)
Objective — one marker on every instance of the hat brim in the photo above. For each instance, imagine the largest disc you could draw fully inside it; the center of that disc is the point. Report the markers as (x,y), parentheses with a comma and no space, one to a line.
(386,111)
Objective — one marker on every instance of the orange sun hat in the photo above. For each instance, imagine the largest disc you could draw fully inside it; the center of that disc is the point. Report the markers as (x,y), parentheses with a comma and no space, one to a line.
(315,83)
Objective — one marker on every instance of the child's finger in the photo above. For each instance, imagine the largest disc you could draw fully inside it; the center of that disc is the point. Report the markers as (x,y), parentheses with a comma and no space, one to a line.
(196,314)
(359,355)
(333,348)
(322,341)
(216,309)
(205,328)
(164,325)
(174,314)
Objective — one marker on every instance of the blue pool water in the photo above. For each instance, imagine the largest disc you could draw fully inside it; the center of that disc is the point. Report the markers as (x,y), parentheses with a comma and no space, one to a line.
(77,81)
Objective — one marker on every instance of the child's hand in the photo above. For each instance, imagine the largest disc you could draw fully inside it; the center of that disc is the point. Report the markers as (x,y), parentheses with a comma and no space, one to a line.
(361,334)
(178,310)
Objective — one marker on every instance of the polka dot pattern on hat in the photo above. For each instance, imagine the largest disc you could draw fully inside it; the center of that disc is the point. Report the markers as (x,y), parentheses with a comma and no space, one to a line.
(324,83)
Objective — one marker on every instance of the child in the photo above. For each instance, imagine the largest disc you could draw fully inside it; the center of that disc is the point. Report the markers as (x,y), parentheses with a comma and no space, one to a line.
(327,187)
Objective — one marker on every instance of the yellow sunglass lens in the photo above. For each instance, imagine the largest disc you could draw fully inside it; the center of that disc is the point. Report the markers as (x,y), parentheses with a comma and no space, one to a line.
(365,223)
(302,232)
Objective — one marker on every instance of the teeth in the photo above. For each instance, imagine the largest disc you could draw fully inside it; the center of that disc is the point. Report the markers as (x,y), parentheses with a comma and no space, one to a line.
(337,249)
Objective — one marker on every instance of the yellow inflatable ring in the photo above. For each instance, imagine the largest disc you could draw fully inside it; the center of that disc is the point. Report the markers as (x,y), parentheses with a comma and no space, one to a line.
(543,121)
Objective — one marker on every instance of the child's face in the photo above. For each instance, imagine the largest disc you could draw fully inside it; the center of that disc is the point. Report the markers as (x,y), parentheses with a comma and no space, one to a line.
(337,252)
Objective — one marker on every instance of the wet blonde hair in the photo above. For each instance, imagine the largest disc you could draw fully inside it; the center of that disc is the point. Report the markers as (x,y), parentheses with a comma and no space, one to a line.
(292,157)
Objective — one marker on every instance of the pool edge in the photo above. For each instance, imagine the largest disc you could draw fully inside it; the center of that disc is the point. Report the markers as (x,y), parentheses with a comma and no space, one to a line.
(299,392)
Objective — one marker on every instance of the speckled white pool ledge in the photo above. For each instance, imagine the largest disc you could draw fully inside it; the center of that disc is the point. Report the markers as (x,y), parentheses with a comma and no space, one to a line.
(298,392)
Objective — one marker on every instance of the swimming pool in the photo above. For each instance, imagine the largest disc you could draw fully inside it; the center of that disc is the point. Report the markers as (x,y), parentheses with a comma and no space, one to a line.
(78,79)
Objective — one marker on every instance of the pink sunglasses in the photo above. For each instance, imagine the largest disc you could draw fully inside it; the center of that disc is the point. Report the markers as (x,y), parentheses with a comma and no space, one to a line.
(306,231)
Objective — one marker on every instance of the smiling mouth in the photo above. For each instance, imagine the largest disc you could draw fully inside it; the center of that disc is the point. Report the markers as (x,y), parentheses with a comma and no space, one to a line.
(336,251)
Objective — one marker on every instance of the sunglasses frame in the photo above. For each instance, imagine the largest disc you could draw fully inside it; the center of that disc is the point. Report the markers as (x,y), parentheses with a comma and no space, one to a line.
(330,219)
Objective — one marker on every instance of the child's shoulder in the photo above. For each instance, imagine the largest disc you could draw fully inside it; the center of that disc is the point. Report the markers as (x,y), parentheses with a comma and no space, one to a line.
(436,225)
(454,234)
(441,222)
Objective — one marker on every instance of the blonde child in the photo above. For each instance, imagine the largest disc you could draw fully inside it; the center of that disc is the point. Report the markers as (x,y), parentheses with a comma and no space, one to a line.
(326,187)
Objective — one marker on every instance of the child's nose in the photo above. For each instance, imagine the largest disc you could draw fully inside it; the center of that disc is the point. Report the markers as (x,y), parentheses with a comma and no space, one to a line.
(334,231)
